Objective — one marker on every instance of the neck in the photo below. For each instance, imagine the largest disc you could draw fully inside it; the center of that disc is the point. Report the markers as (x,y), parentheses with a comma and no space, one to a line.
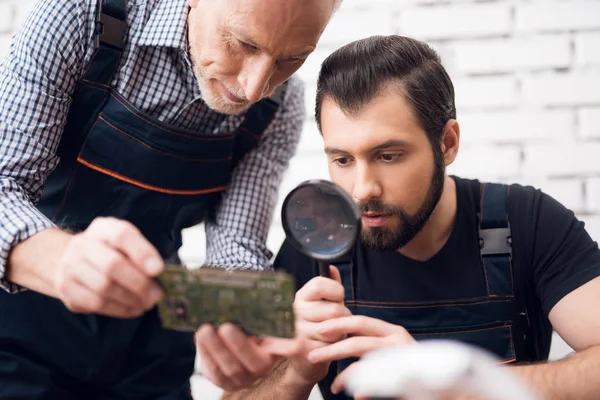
(438,228)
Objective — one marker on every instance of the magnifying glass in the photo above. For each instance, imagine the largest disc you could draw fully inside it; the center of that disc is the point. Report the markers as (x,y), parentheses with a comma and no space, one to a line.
(321,220)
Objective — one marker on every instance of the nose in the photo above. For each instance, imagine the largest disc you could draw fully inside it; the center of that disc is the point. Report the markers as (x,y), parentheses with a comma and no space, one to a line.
(366,185)
(255,77)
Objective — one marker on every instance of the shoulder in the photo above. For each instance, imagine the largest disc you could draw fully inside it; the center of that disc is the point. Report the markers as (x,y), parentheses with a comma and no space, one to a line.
(292,109)
(518,196)
(294,92)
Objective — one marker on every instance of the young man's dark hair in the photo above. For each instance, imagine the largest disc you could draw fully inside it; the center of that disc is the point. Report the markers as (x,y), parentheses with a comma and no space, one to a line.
(412,64)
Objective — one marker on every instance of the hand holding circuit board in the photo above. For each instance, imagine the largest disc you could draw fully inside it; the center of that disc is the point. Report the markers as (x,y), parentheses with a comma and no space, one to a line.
(319,219)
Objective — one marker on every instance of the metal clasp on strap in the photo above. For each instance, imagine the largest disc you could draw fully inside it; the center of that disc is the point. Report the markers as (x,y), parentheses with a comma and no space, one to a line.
(495,241)
(109,30)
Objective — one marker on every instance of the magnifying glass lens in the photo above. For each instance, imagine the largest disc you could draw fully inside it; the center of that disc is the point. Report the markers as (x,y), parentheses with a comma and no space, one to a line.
(321,221)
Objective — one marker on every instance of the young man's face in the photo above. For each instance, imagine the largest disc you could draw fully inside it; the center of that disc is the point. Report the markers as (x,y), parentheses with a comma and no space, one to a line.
(243,49)
(384,160)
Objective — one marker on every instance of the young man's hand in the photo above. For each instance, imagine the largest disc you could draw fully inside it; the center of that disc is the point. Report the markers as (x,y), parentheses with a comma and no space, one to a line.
(321,299)
(365,335)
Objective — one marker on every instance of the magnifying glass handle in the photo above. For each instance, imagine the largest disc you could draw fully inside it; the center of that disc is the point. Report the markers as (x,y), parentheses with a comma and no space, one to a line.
(324,269)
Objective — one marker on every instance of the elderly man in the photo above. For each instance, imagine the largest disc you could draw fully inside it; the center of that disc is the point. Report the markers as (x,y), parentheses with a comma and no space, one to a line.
(121,123)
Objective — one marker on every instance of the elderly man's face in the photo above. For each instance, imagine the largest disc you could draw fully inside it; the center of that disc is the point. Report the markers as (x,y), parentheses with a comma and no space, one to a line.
(243,49)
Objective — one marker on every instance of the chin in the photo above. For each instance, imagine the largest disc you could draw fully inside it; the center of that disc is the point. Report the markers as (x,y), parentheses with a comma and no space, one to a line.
(218,103)
(215,100)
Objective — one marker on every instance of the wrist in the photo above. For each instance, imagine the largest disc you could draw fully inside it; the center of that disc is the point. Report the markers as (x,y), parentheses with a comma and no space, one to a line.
(295,384)
(34,262)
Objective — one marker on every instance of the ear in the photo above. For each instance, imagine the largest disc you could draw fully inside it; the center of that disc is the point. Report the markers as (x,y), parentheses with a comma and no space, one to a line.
(450,141)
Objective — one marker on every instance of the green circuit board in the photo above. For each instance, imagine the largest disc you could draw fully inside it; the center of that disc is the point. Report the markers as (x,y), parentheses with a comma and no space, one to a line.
(260,303)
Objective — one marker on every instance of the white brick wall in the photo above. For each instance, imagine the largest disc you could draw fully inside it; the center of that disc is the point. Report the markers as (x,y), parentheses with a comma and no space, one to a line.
(550,16)
(586,49)
(6,18)
(457,21)
(589,122)
(562,89)
(527,77)
(508,55)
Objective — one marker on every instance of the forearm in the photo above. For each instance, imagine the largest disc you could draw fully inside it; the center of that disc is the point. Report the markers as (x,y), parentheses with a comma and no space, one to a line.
(281,384)
(575,377)
(33,262)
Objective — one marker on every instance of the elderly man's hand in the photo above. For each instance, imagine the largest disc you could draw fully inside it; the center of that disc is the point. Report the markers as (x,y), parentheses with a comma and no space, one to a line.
(234,361)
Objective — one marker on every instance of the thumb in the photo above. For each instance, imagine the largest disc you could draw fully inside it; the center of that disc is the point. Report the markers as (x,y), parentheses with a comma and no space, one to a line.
(335,273)
(280,347)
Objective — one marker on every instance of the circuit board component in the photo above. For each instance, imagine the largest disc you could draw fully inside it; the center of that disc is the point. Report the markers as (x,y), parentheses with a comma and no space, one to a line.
(260,303)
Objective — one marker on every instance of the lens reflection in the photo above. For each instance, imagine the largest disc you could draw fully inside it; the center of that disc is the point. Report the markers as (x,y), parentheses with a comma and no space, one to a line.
(321,219)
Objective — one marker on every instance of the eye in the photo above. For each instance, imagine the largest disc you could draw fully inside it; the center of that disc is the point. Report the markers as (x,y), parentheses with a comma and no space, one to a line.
(390,157)
(295,60)
(341,161)
(248,46)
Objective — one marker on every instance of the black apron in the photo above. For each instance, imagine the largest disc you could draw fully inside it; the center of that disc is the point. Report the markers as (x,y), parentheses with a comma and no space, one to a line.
(496,322)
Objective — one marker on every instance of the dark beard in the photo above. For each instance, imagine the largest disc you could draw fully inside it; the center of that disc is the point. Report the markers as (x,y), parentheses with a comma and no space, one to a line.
(382,239)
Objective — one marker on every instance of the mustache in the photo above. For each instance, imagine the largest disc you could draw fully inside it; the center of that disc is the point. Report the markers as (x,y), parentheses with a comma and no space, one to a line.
(239,93)
(376,206)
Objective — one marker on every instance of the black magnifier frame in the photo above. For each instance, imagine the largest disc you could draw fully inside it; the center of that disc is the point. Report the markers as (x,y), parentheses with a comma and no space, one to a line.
(329,188)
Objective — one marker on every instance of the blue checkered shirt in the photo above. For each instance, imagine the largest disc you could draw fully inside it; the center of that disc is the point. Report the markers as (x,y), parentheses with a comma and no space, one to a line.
(48,55)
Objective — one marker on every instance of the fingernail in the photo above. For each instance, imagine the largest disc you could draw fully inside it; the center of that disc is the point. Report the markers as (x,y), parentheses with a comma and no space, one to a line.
(153,265)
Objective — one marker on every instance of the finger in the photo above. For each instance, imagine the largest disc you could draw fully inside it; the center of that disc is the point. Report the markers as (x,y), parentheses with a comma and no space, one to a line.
(310,330)
(125,237)
(225,360)
(252,357)
(103,286)
(355,346)
(212,371)
(335,273)
(320,288)
(357,325)
(114,265)
(318,311)
(339,383)
(80,299)
(280,347)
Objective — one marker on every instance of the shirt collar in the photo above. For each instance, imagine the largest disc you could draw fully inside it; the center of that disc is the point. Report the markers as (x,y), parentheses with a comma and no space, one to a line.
(167,26)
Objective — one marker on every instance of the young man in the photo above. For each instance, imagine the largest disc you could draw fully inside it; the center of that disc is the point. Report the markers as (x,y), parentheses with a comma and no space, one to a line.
(439,256)
(121,123)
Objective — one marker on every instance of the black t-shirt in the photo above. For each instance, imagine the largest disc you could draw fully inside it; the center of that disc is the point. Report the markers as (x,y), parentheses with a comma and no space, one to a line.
(551,250)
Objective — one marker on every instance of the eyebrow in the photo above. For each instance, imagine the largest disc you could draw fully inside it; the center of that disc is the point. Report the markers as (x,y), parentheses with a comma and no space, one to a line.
(240,35)
(389,144)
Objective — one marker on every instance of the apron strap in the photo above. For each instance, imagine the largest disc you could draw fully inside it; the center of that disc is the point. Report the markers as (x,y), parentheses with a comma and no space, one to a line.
(110,33)
(495,239)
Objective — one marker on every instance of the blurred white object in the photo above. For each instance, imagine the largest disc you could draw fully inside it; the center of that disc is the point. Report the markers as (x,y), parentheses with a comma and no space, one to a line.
(420,370)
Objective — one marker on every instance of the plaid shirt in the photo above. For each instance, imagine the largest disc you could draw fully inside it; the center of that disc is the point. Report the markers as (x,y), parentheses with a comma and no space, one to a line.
(46,59)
